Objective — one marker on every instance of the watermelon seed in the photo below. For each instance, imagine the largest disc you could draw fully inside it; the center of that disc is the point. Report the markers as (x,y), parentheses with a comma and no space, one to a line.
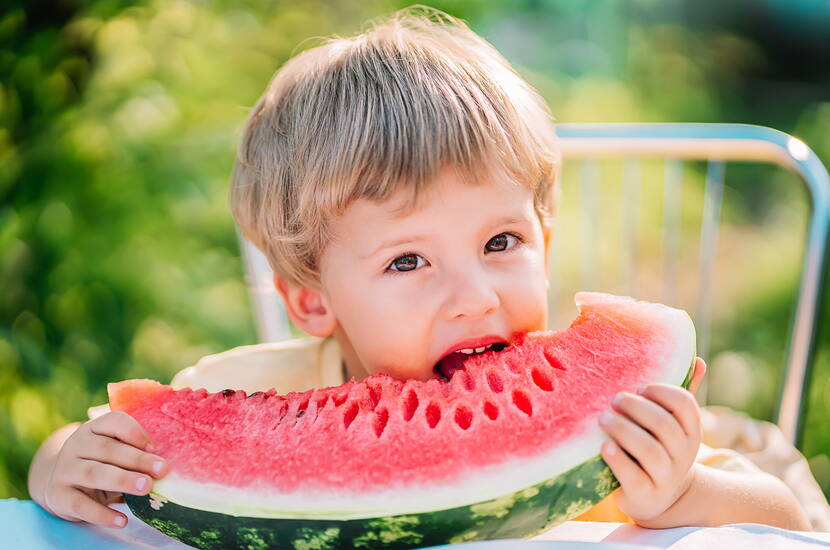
(228,393)
(466,380)
(513,365)
(522,402)
(410,405)
(381,418)
(255,394)
(433,414)
(303,406)
(553,360)
(495,382)
(463,417)
(541,380)
(349,415)
(283,409)
(491,410)
(374,395)
(300,413)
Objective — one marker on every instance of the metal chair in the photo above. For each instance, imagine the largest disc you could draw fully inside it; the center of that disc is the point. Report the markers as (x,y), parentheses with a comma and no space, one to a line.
(584,146)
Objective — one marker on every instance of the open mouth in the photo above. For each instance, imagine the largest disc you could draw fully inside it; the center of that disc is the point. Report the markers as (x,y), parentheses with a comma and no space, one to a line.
(453,362)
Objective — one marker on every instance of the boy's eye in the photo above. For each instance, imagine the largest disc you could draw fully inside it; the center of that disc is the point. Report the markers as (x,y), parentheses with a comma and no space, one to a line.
(407,262)
(501,242)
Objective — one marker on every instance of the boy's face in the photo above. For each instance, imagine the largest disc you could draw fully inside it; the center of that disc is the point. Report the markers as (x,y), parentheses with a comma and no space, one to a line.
(465,270)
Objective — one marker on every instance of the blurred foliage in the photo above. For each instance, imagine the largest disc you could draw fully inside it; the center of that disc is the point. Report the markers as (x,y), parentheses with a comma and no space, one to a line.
(119,120)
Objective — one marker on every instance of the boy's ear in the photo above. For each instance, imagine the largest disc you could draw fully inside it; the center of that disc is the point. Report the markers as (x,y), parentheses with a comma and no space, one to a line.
(307,308)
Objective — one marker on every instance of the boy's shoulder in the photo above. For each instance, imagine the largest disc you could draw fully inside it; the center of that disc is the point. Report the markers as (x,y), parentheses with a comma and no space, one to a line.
(292,365)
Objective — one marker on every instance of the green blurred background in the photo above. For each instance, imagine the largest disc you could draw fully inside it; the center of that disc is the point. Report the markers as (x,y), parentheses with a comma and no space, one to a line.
(119,121)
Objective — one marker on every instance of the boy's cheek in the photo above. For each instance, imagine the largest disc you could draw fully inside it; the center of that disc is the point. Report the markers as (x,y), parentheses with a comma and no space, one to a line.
(401,372)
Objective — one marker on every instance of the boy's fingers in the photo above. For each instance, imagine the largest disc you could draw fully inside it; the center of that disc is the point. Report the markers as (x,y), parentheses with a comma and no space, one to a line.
(106,477)
(697,375)
(74,505)
(120,426)
(111,451)
(677,401)
(641,445)
(627,472)
(654,418)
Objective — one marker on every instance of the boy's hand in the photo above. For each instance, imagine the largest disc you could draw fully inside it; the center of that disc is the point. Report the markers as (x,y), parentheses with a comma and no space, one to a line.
(101,459)
(654,441)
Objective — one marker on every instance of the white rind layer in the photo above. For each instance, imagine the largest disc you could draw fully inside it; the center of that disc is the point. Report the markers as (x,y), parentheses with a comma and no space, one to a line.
(482,485)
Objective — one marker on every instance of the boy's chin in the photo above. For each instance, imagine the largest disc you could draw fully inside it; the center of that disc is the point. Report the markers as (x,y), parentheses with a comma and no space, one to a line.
(420,375)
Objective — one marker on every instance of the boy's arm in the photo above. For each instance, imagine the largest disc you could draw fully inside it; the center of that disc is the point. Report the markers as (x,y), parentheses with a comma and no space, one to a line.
(717,497)
(654,438)
(43,464)
(44,460)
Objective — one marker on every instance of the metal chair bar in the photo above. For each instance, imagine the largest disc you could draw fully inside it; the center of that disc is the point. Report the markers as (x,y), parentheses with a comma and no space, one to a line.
(589,194)
(681,141)
(269,314)
(672,196)
(712,200)
(631,216)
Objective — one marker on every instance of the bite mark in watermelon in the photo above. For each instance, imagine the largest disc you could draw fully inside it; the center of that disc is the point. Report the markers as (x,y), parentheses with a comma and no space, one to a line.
(507,448)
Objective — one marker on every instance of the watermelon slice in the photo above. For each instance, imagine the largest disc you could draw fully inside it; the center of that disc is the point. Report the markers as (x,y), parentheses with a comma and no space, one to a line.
(508,447)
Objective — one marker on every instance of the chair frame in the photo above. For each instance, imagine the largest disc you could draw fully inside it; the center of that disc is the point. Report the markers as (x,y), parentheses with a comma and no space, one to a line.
(715,143)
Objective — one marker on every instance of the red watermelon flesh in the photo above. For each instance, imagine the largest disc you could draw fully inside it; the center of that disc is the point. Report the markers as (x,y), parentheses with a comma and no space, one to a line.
(511,417)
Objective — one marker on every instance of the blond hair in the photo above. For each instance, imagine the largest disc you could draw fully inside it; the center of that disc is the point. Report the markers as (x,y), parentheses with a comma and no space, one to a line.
(381,112)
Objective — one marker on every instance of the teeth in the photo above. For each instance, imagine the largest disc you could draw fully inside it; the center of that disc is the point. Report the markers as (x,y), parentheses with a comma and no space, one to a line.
(470,351)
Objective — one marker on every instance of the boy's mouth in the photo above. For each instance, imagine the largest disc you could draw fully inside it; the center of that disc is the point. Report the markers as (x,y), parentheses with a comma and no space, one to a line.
(452,362)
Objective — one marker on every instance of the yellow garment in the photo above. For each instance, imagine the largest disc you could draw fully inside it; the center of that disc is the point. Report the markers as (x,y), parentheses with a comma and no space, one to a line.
(306,363)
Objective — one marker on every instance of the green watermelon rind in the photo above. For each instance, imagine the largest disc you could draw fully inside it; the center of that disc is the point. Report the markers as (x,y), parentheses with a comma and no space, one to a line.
(689,375)
(520,514)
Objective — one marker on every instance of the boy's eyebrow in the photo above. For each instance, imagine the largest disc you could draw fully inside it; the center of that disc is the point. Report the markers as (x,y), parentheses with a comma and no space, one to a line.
(506,220)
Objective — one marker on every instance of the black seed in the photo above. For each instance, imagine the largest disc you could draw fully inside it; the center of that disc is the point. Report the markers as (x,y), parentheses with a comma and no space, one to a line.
(255,393)
(499,346)
(300,413)
(228,393)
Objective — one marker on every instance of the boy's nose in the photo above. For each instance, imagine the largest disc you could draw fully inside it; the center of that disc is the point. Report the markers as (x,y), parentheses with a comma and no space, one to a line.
(472,297)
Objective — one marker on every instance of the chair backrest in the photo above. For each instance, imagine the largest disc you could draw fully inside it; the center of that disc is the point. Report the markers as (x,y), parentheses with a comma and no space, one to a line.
(635,151)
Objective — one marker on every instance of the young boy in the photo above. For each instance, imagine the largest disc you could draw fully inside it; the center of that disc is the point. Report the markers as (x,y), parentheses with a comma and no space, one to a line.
(401,183)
